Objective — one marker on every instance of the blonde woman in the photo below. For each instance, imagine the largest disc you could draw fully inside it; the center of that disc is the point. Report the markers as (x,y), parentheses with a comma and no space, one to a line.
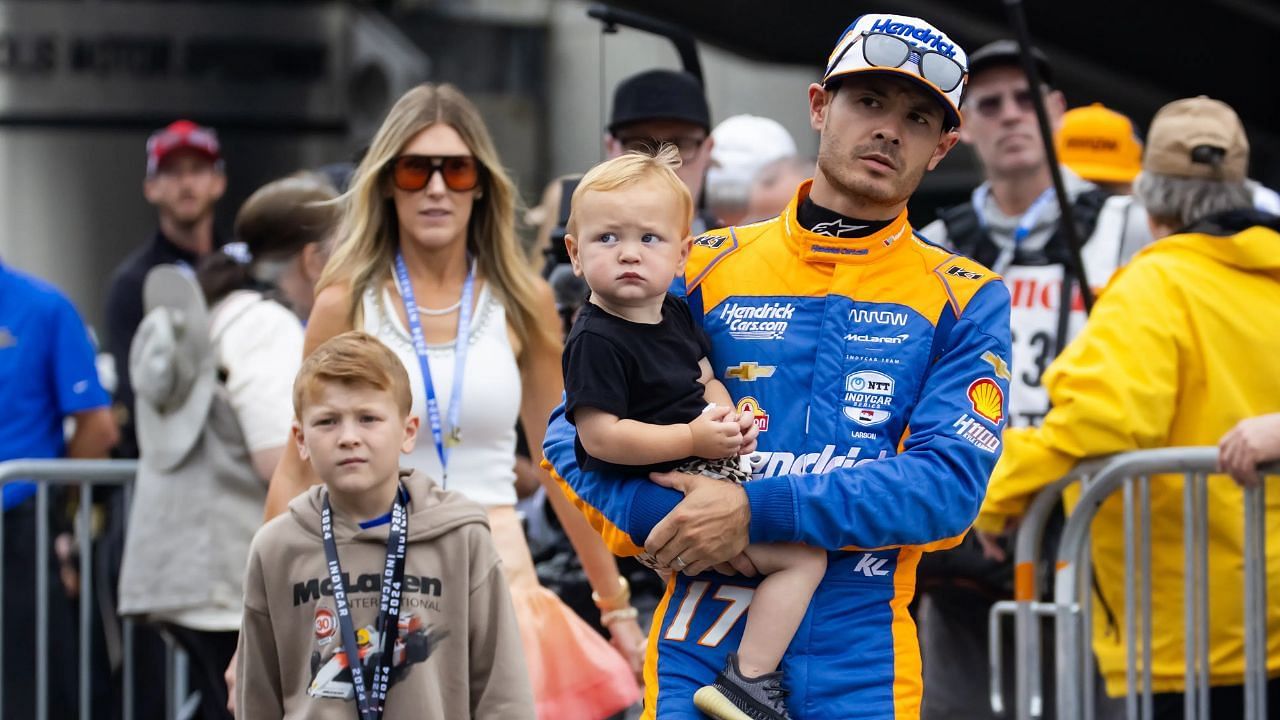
(427,261)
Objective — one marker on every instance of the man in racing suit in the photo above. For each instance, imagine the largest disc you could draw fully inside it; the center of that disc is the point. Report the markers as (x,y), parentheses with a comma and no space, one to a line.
(870,360)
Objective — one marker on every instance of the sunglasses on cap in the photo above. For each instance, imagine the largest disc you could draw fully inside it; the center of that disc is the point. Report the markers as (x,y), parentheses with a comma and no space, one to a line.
(991,105)
(411,173)
(891,51)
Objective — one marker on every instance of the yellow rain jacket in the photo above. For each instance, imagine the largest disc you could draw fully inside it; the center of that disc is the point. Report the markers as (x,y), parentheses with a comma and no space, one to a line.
(1183,344)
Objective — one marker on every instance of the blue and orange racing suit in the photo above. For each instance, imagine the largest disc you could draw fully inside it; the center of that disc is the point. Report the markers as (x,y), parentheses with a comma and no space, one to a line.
(877,371)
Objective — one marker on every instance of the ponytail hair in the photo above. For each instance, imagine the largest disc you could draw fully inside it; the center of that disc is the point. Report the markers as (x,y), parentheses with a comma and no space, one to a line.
(272,227)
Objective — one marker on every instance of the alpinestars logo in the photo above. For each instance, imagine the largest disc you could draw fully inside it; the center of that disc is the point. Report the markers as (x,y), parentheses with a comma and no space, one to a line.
(757,322)
(837,228)
(331,670)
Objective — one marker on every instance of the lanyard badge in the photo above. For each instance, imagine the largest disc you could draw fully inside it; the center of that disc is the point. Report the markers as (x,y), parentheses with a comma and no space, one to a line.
(446,434)
(371,696)
(1025,224)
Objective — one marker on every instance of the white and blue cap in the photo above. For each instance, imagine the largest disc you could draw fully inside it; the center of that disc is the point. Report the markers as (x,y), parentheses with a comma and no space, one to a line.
(906,46)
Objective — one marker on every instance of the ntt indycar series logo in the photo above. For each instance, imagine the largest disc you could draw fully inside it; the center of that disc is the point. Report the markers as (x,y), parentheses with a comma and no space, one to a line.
(868,397)
(922,35)
(757,322)
(777,462)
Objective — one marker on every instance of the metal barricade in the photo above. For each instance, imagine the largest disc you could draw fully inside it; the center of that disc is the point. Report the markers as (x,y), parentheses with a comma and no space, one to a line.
(86,475)
(1130,473)
(1026,608)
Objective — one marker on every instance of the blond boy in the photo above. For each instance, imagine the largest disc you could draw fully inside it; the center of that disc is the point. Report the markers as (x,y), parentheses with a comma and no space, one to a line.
(379,564)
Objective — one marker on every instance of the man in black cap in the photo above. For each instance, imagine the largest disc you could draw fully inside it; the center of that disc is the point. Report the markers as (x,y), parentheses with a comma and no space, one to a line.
(658,106)
(1010,224)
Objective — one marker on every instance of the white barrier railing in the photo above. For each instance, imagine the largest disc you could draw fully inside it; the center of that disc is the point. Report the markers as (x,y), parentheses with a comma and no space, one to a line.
(86,475)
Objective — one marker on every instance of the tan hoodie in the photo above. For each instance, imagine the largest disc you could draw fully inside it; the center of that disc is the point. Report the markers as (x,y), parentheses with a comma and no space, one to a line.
(459,654)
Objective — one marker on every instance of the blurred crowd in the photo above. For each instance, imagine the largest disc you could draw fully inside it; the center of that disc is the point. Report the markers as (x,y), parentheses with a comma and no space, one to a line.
(198,385)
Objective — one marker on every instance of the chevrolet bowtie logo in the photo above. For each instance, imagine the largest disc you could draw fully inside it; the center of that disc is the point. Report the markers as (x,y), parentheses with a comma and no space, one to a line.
(997,362)
(749,371)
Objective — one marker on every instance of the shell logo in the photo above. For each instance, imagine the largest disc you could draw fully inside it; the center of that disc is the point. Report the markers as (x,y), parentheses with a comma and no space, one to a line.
(987,399)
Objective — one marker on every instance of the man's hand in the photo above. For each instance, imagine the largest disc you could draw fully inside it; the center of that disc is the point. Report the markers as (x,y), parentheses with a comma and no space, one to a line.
(1251,442)
(990,543)
(739,564)
(229,677)
(707,528)
(715,434)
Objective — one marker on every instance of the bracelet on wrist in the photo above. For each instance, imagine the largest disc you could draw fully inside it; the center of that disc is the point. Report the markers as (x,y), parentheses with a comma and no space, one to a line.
(613,616)
(616,602)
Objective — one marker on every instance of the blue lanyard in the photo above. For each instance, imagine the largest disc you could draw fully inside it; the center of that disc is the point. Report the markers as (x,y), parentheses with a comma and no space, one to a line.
(1025,223)
(446,436)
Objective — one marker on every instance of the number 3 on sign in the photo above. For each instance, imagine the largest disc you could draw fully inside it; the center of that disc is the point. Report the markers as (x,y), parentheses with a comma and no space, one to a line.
(739,599)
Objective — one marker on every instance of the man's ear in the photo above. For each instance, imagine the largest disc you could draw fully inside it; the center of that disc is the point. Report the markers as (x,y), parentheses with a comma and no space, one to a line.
(1055,104)
(571,245)
(219,184)
(150,190)
(300,441)
(612,148)
(819,103)
(947,141)
(411,425)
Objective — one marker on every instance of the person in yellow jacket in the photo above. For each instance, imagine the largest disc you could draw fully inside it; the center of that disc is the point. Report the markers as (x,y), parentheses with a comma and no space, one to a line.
(1181,346)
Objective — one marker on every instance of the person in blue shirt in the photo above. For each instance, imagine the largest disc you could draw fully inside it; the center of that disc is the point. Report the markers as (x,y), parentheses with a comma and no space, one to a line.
(47,374)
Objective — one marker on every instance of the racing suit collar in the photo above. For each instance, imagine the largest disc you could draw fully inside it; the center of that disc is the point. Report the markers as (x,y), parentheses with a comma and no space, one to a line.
(818,248)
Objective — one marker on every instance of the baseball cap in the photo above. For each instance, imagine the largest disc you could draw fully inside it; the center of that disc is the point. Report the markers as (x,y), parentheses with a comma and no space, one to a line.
(1197,137)
(1005,53)
(660,95)
(929,57)
(181,135)
(1099,144)
(744,144)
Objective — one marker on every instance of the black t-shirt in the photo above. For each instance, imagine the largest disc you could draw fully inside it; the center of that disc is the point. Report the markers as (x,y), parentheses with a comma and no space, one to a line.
(636,371)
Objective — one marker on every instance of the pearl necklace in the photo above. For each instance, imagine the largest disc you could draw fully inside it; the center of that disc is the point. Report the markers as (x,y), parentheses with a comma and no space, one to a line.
(437,312)
(441,311)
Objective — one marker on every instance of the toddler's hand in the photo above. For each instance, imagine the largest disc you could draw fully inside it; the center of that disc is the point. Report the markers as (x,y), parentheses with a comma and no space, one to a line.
(747,424)
(715,434)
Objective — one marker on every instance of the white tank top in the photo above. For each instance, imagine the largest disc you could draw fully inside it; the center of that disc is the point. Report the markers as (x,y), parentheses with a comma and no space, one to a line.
(482,466)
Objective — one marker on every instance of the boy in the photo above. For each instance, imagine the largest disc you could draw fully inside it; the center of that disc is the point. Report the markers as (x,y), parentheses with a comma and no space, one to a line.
(637,380)
(375,547)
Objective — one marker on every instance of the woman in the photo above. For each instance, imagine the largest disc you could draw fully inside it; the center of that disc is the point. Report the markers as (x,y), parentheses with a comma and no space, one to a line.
(429,226)
(201,487)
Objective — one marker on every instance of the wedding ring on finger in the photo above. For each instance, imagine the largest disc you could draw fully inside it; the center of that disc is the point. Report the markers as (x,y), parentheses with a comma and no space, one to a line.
(682,564)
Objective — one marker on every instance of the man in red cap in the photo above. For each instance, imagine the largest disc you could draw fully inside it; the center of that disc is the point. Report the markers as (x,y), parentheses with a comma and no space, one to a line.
(184,180)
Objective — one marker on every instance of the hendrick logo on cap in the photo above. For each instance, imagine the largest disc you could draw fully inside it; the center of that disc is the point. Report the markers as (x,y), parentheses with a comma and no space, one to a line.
(926,36)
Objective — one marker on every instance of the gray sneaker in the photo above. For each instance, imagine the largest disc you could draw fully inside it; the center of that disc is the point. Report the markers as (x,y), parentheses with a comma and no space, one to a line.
(734,697)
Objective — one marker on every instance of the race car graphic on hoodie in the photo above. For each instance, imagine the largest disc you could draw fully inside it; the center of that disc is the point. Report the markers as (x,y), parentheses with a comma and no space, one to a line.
(330,671)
